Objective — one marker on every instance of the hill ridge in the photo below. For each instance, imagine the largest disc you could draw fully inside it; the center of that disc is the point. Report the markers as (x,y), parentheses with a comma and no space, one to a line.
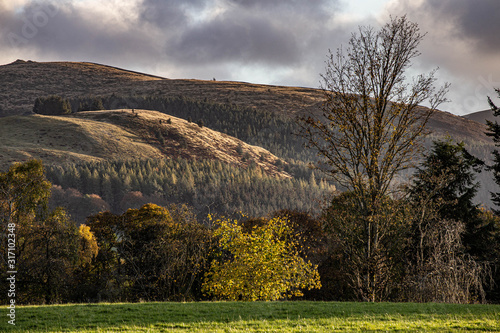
(122,134)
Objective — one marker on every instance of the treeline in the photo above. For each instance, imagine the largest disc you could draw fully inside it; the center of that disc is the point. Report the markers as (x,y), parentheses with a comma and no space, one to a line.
(209,186)
(436,246)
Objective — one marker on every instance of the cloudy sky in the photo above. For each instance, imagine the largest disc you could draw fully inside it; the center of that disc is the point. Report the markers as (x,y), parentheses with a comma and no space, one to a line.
(283,42)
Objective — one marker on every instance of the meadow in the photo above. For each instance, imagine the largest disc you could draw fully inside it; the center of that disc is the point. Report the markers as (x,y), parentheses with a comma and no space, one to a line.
(288,316)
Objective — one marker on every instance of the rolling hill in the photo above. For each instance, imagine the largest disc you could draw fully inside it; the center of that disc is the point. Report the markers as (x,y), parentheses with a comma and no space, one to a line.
(481,116)
(119,134)
(24,81)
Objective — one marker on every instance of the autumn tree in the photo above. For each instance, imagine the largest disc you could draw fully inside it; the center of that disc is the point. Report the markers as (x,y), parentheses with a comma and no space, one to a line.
(263,264)
(23,190)
(371,124)
(374,277)
(150,253)
(52,250)
(49,246)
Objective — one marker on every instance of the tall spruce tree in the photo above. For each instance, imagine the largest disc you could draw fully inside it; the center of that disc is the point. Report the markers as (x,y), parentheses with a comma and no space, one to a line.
(494,132)
(448,175)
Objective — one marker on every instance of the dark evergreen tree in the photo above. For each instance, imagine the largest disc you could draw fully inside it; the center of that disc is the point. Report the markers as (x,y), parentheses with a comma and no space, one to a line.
(448,176)
(97,104)
(52,105)
(494,132)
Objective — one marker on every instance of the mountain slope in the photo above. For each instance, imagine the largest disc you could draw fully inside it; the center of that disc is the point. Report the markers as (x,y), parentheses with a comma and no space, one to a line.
(481,116)
(121,135)
(24,81)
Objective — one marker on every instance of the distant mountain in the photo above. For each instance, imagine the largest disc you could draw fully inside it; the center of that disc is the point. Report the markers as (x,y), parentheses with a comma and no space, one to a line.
(482,116)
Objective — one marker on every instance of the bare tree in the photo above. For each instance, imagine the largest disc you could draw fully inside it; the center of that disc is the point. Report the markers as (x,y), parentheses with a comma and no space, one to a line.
(371,125)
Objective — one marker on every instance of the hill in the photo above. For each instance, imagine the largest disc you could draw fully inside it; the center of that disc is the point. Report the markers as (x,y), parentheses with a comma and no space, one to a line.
(260,115)
(121,135)
(481,116)
(24,81)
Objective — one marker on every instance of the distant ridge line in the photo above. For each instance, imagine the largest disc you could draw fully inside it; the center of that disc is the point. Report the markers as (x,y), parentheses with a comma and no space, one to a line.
(125,70)
(20,61)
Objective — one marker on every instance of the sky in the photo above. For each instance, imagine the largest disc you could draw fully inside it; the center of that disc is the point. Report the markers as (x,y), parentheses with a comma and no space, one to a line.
(279,42)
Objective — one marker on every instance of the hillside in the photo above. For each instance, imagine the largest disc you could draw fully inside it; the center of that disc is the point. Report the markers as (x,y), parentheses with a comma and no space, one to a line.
(24,81)
(260,115)
(121,135)
(481,116)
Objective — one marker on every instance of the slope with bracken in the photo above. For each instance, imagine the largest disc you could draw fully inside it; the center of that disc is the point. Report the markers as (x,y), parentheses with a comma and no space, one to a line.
(24,81)
(121,135)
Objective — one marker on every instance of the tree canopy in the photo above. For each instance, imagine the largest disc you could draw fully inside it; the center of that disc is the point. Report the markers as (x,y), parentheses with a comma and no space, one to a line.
(263,264)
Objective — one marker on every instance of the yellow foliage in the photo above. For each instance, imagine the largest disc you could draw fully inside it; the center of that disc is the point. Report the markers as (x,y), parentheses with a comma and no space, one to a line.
(264,264)
(88,244)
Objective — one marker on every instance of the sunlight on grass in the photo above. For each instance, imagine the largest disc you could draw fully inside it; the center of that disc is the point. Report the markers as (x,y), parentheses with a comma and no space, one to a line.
(255,317)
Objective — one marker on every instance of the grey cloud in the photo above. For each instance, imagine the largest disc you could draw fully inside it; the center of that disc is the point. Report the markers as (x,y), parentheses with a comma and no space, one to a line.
(478,20)
(68,34)
(463,41)
(310,8)
(475,21)
(171,14)
(253,40)
(277,35)
(266,32)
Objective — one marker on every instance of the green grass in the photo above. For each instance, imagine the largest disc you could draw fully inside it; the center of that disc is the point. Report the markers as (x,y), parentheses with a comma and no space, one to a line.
(254,317)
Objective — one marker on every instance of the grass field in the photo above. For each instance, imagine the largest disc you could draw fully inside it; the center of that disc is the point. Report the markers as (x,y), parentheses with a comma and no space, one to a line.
(254,317)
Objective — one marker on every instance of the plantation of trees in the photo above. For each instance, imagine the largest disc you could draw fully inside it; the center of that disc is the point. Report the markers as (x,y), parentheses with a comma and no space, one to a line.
(209,186)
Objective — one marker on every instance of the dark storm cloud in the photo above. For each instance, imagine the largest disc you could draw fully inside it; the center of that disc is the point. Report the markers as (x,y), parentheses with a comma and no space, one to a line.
(266,32)
(251,40)
(192,35)
(172,14)
(310,8)
(475,21)
(69,31)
